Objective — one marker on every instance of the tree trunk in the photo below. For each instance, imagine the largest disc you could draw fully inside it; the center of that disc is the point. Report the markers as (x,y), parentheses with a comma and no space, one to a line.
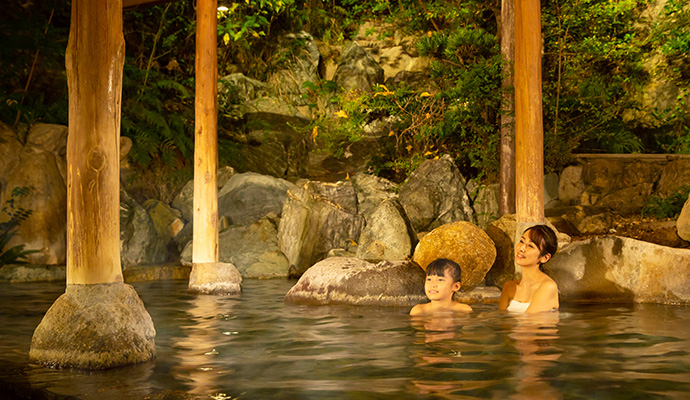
(506,202)
(205,239)
(529,131)
(94,61)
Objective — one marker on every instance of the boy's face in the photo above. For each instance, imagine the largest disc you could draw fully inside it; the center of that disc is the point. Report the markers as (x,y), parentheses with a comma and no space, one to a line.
(440,287)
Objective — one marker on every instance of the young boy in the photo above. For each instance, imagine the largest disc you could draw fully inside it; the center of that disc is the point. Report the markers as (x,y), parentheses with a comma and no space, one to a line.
(442,281)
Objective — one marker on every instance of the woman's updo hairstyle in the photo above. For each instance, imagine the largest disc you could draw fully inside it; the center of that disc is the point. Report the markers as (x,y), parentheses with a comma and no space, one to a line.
(545,238)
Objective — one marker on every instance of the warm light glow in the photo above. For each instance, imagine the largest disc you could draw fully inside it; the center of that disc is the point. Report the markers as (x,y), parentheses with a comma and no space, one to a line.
(223,9)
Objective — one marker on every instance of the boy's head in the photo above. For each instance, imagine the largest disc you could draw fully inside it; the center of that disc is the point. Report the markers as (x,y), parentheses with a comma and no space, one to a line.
(439,267)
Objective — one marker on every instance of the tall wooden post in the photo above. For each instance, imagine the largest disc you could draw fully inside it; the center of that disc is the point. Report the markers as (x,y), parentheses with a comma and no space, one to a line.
(99,322)
(208,274)
(506,202)
(529,131)
(205,240)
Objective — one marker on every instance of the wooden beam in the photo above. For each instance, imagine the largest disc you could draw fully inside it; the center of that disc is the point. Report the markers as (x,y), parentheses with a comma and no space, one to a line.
(529,130)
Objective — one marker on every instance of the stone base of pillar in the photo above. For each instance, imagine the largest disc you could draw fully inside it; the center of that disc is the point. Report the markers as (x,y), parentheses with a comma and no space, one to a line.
(215,278)
(94,327)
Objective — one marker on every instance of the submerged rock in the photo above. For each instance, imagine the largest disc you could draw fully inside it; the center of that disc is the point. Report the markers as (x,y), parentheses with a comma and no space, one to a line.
(462,242)
(215,278)
(94,327)
(620,269)
(341,280)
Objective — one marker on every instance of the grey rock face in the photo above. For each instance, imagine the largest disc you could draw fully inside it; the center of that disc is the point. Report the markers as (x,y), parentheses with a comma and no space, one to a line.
(357,69)
(312,225)
(435,195)
(340,280)
(620,269)
(388,234)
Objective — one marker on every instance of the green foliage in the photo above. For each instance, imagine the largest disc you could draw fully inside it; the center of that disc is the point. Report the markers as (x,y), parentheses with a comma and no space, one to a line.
(669,207)
(592,62)
(159,122)
(33,85)
(15,254)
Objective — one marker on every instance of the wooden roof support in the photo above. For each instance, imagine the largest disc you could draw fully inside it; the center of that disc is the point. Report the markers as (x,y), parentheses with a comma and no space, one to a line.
(529,130)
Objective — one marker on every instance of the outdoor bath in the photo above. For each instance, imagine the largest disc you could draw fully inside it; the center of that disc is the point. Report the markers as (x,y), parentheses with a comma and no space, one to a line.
(256,346)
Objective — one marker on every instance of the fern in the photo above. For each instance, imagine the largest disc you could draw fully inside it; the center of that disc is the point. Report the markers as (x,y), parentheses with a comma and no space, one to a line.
(15,254)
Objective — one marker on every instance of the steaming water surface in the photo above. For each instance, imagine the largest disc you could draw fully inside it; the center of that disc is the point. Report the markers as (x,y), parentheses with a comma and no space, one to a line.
(254,346)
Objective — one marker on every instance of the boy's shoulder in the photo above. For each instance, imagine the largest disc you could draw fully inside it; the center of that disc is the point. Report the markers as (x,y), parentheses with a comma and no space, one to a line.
(462,307)
(420,309)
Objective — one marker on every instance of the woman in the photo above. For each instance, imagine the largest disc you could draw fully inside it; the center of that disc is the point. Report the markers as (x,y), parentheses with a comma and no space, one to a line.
(535,292)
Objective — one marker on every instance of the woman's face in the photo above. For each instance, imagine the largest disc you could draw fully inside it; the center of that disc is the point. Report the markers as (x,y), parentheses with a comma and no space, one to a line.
(527,253)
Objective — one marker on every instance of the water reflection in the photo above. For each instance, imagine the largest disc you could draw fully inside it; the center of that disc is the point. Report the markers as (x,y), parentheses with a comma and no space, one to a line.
(535,337)
(200,343)
(441,337)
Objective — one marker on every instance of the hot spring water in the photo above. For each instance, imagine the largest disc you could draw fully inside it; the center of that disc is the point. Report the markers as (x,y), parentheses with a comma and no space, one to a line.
(254,346)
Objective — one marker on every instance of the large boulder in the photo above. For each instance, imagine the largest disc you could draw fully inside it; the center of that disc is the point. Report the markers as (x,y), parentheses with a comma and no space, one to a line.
(435,194)
(10,149)
(462,242)
(167,221)
(45,229)
(683,222)
(372,191)
(140,243)
(252,249)
(675,174)
(302,61)
(340,280)
(248,197)
(502,233)
(184,201)
(620,269)
(571,186)
(358,70)
(485,204)
(312,225)
(388,235)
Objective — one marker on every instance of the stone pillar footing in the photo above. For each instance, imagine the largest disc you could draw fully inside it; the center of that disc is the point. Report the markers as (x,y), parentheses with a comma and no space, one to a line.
(96,326)
(215,278)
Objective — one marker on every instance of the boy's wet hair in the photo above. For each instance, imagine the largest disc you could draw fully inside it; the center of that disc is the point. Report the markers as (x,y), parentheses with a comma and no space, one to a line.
(439,267)
(545,239)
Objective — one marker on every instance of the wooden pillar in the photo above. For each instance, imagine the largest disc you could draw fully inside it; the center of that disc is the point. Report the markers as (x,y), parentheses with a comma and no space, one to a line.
(205,239)
(529,131)
(99,322)
(506,204)
(94,60)
(208,276)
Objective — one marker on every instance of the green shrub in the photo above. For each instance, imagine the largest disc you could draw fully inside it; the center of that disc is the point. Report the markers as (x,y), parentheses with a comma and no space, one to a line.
(15,254)
(669,207)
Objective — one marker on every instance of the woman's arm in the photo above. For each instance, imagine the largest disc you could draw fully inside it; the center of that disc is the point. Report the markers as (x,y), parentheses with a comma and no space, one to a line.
(545,298)
(507,294)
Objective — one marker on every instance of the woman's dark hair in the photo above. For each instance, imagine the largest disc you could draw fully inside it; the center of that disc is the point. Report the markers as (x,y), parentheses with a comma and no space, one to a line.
(439,267)
(545,238)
